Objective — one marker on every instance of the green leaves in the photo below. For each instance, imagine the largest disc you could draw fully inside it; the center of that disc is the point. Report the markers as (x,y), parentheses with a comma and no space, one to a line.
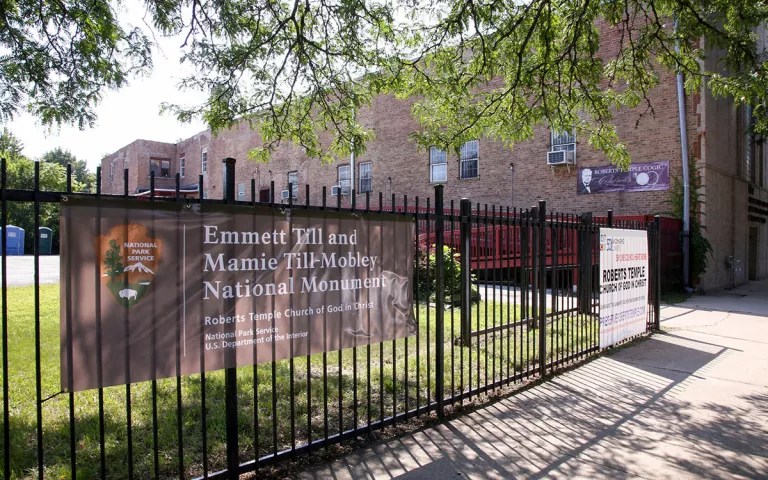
(59,56)
(20,172)
(85,180)
(298,70)
(701,249)
(289,69)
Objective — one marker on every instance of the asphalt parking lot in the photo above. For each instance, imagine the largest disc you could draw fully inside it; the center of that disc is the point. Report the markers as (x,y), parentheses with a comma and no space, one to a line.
(21,270)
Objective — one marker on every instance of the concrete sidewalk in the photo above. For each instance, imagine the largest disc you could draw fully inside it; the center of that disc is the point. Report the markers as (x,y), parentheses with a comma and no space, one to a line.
(691,402)
(21,270)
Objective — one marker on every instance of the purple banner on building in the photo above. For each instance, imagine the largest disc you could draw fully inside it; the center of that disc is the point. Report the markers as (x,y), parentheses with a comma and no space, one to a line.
(641,177)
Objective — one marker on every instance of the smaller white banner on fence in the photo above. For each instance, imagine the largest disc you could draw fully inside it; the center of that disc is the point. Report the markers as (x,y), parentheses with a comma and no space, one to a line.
(623,284)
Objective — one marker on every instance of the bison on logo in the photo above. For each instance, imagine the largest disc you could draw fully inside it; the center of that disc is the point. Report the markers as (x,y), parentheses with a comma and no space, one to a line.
(129,259)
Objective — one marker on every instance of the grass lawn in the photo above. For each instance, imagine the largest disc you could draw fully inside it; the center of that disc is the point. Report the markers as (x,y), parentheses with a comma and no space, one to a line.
(390,364)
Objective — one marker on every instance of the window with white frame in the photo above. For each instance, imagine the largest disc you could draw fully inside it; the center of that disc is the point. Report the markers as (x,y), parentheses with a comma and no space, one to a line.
(204,160)
(241,192)
(344,179)
(366,177)
(112,171)
(470,160)
(293,184)
(438,165)
(563,141)
(182,166)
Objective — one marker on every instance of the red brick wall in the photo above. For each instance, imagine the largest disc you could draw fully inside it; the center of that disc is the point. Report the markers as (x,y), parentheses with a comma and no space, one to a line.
(135,157)
(516,177)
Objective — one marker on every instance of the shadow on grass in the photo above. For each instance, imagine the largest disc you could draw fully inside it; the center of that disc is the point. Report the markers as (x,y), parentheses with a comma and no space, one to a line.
(278,406)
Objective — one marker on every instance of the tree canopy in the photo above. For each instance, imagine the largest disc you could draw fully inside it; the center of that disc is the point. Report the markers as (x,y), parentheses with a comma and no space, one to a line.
(293,69)
(59,56)
(79,167)
(10,146)
(20,172)
(21,175)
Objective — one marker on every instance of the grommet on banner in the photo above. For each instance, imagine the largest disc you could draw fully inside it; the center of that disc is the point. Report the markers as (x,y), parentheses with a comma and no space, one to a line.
(64,198)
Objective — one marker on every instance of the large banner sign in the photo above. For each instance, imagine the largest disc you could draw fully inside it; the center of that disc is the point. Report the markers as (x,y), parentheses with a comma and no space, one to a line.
(164,290)
(623,284)
(641,177)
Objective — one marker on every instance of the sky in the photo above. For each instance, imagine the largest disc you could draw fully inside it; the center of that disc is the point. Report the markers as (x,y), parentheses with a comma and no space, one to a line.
(124,115)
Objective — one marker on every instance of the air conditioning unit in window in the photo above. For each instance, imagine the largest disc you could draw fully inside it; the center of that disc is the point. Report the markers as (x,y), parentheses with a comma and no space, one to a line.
(561,157)
(285,194)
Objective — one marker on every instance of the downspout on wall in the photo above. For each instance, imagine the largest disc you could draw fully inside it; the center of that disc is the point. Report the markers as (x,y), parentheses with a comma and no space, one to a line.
(686,182)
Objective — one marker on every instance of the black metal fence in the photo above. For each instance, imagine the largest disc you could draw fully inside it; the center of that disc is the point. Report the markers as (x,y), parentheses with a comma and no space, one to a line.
(512,294)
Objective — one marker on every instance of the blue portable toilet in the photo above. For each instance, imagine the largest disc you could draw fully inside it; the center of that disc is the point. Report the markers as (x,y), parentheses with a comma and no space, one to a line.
(14,237)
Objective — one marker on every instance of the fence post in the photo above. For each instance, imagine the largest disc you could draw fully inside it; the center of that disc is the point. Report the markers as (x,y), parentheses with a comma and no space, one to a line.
(525,276)
(230,378)
(657,289)
(610,218)
(542,221)
(439,302)
(465,232)
(533,323)
(585,264)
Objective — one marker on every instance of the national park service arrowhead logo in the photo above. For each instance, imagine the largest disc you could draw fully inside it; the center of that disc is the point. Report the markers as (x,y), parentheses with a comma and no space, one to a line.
(129,259)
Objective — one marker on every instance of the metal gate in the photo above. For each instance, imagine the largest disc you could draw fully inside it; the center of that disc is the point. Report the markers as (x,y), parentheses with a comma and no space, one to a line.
(503,295)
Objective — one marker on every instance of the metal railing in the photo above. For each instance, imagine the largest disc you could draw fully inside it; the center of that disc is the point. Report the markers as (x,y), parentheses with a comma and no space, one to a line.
(536,310)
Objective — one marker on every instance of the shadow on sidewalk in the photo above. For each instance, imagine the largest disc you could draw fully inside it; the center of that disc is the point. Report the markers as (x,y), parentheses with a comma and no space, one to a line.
(615,417)
(626,418)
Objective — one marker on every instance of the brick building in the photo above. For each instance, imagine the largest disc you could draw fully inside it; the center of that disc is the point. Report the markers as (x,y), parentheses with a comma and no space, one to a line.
(730,162)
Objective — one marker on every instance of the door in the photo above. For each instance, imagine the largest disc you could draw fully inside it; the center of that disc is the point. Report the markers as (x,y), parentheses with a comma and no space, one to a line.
(264,195)
(753,253)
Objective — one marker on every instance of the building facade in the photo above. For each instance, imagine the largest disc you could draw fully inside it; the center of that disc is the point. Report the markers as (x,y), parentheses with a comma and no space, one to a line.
(730,163)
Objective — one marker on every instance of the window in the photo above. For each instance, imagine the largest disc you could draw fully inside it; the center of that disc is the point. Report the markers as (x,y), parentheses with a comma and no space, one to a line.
(344,180)
(563,141)
(204,160)
(470,156)
(293,184)
(112,171)
(438,165)
(749,146)
(241,192)
(161,167)
(182,166)
(759,160)
(365,172)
